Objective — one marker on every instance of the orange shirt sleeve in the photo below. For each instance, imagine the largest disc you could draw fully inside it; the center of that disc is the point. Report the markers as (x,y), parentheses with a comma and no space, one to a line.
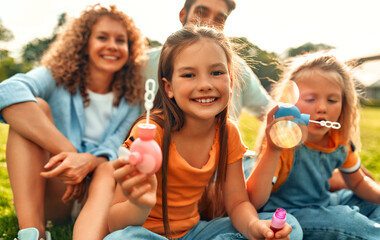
(236,146)
(352,163)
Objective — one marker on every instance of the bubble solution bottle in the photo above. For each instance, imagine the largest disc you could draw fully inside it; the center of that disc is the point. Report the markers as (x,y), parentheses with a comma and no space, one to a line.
(144,152)
(278,220)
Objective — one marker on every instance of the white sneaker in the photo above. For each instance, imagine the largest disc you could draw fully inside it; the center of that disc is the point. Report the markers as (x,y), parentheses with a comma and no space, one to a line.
(31,234)
(28,234)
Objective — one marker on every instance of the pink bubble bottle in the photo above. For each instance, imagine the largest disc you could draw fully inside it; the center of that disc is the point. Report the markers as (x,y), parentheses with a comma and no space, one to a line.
(144,152)
(278,220)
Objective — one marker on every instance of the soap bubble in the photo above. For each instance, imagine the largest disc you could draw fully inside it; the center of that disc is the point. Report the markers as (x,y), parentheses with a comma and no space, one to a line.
(287,134)
(290,93)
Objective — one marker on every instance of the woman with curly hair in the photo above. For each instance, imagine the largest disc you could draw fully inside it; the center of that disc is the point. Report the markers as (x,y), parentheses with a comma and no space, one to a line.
(69,116)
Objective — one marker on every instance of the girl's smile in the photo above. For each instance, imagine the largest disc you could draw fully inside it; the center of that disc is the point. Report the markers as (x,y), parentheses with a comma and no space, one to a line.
(201,85)
(205,100)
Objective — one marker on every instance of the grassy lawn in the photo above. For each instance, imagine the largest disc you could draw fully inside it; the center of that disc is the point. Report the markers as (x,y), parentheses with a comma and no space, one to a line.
(370,156)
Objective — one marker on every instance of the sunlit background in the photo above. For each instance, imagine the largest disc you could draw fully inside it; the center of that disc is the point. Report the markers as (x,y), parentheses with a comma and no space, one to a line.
(350,26)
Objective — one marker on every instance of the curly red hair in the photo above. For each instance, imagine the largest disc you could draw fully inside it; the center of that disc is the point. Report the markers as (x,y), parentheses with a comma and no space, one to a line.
(67,59)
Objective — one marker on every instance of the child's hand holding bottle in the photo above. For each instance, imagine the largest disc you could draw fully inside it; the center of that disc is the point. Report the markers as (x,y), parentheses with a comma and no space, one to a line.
(260,229)
(139,188)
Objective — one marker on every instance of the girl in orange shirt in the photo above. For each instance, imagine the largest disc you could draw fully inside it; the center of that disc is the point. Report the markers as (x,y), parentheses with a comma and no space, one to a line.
(199,144)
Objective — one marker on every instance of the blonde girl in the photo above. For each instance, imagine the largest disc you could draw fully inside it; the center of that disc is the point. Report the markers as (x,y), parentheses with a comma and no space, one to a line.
(297,179)
(198,143)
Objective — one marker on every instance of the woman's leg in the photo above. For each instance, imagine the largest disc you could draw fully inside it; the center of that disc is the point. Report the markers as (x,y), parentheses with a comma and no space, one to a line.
(25,161)
(92,220)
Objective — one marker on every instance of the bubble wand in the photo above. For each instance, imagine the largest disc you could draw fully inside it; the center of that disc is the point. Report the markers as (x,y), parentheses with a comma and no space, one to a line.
(150,85)
(328,124)
(144,152)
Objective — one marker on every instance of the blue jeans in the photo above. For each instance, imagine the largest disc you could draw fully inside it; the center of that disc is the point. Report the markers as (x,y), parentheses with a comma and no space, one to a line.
(348,217)
(217,229)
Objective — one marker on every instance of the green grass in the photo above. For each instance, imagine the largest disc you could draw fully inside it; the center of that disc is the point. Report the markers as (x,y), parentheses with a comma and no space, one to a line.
(249,126)
(370,137)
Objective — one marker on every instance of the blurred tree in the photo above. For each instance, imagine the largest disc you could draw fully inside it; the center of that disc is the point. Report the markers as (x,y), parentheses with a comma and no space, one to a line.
(33,51)
(8,66)
(308,47)
(153,43)
(3,54)
(5,34)
(265,65)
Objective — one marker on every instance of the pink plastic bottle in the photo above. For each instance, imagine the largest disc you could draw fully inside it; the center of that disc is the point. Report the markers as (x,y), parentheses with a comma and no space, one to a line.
(278,220)
(144,152)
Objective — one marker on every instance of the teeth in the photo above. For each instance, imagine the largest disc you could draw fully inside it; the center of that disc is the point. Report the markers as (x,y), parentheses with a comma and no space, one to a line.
(203,100)
(110,57)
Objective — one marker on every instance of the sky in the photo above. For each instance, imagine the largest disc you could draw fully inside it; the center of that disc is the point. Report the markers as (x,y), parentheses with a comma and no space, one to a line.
(351,26)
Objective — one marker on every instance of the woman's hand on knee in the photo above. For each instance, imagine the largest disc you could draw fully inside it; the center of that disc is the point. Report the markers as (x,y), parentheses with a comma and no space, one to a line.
(71,168)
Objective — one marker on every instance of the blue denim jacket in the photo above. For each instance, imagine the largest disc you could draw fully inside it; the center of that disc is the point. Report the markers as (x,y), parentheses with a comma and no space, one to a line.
(68,110)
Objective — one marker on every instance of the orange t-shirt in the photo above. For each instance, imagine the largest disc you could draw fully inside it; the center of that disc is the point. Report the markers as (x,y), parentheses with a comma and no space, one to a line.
(186,183)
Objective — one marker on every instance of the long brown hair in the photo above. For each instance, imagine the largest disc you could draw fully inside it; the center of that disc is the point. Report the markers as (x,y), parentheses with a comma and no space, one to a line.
(170,117)
(68,61)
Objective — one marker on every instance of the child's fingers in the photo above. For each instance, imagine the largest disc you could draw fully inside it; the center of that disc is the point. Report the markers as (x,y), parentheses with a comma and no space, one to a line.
(139,191)
(284,232)
(121,173)
(270,114)
(118,163)
(129,185)
(260,230)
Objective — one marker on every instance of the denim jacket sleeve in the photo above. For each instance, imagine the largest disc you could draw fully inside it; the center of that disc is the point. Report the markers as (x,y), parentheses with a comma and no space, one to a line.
(26,87)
